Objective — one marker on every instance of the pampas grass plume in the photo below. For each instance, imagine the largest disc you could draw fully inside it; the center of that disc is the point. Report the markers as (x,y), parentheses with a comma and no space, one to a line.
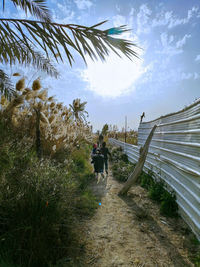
(42,95)
(40,105)
(52,117)
(36,85)
(52,105)
(51,98)
(20,85)
(3,101)
(26,91)
(16,74)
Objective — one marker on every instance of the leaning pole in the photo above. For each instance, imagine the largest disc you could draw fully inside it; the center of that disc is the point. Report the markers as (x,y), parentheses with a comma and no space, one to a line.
(139,166)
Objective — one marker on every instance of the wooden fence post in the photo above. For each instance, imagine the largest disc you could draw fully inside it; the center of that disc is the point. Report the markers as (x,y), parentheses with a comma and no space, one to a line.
(139,166)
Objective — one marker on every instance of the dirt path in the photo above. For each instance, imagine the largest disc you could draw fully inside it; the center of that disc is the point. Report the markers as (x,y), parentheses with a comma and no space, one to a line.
(130,232)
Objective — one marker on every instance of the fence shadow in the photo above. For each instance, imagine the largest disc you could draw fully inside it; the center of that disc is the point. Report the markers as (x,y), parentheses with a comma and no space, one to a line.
(161,236)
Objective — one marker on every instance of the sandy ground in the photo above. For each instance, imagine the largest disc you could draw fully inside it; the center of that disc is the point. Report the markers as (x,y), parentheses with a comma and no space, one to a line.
(129,231)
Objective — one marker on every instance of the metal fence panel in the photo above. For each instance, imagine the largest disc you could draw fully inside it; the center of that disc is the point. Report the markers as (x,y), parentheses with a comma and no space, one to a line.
(174,156)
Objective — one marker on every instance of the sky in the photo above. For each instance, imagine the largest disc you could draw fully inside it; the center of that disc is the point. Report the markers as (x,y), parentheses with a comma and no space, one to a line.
(165,79)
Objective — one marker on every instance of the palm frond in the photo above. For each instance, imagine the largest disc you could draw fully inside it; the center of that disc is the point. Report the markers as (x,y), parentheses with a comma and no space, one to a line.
(6,86)
(37,8)
(18,53)
(52,36)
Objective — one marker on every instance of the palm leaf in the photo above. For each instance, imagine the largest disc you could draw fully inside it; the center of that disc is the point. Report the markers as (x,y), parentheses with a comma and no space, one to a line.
(52,36)
(18,53)
(37,8)
(6,86)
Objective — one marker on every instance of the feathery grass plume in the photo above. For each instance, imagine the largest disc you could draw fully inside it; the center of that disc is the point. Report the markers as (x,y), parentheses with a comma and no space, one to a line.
(34,94)
(40,105)
(26,91)
(16,74)
(59,105)
(3,101)
(43,118)
(11,107)
(46,113)
(28,96)
(42,95)
(51,119)
(52,105)
(51,98)
(14,121)
(18,101)
(20,85)
(36,85)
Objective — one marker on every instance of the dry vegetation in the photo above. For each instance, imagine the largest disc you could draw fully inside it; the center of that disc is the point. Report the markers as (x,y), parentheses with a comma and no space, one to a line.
(43,195)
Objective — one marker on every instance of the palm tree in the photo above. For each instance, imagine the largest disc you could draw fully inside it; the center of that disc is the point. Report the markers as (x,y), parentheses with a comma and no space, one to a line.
(20,39)
(78,110)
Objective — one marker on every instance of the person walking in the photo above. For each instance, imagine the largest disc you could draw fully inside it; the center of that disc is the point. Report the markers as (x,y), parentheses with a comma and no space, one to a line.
(98,160)
(105,151)
(100,140)
(93,151)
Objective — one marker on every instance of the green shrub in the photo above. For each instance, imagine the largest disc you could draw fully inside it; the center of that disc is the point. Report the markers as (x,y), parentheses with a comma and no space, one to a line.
(196,259)
(124,158)
(168,207)
(122,170)
(81,168)
(146,180)
(87,203)
(156,191)
(36,210)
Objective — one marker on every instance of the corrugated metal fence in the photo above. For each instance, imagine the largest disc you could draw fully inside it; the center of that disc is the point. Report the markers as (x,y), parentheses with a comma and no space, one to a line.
(174,156)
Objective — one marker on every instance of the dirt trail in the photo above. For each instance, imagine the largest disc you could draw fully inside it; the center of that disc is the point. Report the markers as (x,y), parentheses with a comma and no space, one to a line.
(129,231)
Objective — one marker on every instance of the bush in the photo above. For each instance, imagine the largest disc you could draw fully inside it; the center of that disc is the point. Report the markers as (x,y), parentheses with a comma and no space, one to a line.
(122,170)
(81,168)
(168,207)
(124,158)
(87,203)
(146,180)
(38,207)
(156,191)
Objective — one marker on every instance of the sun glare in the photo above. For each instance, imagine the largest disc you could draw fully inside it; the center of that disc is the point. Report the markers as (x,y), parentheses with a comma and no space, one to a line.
(114,77)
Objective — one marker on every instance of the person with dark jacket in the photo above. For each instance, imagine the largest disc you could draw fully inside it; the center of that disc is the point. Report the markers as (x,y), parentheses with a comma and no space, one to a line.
(93,152)
(105,151)
(98,160)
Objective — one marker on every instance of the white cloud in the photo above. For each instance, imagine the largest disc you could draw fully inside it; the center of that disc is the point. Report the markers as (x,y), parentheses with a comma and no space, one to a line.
(118,20)
(112,78)
(188,76)
(197,58)
(182,42)
(162,19)
(63,14)
(167,47)
(83,4)
(118,8)
(167,18)
(176,21)
(143,18)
